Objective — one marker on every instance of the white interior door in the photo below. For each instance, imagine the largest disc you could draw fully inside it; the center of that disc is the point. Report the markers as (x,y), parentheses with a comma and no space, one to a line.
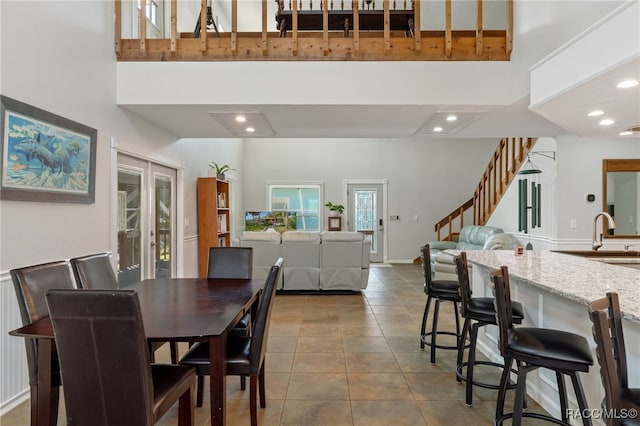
(146,220)
(366,215)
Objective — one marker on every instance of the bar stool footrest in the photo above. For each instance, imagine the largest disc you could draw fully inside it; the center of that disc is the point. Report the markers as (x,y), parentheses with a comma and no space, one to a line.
(538,416)
(463,377)
(424,339)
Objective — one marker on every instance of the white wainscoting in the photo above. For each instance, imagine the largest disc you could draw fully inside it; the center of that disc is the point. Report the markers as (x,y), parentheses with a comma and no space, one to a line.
(14,375)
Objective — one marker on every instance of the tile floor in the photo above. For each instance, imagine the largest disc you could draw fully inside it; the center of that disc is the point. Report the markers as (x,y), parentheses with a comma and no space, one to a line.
(351,360)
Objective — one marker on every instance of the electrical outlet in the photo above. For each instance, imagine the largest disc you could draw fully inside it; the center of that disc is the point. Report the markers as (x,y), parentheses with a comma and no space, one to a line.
(573,223)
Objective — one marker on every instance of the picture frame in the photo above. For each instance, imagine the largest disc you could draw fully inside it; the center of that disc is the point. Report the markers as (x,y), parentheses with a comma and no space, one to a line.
(335,223)
(45,157)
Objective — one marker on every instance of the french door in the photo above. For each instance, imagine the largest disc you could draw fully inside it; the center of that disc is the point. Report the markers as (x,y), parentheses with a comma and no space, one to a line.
(366,214)
(146,220)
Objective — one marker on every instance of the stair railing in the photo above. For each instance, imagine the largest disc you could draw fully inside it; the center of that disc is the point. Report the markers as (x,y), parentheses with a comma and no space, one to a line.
(505,162)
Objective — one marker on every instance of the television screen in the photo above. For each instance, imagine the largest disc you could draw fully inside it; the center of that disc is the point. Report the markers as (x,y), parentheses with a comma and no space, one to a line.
(262,220)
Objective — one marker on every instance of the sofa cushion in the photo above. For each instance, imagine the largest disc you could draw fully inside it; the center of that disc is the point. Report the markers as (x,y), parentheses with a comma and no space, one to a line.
(301,251)
(301,236)
(260,236)
(474,237)
(502,241)
(341,236)
(266,250)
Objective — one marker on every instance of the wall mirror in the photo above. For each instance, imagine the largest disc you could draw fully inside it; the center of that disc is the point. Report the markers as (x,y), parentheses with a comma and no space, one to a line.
(621,196)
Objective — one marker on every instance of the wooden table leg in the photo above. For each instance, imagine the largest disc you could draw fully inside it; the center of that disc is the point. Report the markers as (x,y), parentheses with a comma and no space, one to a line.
(217,379)
(44,381)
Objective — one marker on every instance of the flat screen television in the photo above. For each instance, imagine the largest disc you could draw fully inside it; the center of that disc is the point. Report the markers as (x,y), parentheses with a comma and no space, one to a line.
(280,221)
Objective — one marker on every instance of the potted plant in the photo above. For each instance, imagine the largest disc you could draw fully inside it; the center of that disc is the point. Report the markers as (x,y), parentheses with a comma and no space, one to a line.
(336,209)
(335,220)
(220,169)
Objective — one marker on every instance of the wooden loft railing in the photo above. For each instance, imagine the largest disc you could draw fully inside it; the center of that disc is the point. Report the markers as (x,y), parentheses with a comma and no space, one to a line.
(510,154)
(372,34)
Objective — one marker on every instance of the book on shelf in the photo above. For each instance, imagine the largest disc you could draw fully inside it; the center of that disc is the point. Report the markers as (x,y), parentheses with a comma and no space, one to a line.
(222,200)
(222,242)
(222,223)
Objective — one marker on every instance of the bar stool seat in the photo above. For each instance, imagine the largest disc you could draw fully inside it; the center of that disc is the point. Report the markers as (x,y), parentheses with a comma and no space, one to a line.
(477,312)
(440,291)
(557,349)
(561,351)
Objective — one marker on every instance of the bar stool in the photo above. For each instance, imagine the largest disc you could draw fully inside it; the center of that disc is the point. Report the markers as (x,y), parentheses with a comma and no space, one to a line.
(477,312)
(560,351)
(611,353)
(441,291)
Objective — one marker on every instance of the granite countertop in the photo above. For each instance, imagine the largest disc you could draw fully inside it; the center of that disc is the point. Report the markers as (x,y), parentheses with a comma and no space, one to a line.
(569,276)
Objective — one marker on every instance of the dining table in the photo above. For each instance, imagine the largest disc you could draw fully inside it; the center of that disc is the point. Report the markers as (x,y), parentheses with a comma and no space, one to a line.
(174,310)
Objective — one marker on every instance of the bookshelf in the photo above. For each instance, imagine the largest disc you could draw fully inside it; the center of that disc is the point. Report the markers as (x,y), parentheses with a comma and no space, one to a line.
(213,218)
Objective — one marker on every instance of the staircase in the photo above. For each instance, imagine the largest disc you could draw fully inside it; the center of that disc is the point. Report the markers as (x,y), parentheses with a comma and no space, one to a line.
(510,154)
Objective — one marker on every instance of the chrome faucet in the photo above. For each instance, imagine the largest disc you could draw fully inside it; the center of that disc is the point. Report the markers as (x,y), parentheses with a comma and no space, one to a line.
(597,243)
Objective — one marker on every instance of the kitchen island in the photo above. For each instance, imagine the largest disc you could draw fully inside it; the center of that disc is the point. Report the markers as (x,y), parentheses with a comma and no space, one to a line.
(555,290)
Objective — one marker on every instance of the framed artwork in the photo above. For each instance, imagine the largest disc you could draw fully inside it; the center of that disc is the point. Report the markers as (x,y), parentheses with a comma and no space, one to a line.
(45,157)
(335,223)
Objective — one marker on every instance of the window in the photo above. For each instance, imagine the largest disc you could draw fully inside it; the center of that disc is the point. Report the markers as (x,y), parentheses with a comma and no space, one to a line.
(302,203)
(151,9)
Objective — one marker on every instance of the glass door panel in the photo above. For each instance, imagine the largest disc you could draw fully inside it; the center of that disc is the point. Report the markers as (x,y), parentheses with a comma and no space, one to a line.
(162,236)
(129,226)
(146,220)
(365,215)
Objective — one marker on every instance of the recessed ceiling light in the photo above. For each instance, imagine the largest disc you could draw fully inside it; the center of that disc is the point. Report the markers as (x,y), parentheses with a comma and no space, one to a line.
(626,133)
(236,123)
(606,122)
(595,113)
(447,122)
(627,83)
(250,129)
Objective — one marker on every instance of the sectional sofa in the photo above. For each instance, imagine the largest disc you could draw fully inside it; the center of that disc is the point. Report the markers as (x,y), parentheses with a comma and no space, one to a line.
(313,261)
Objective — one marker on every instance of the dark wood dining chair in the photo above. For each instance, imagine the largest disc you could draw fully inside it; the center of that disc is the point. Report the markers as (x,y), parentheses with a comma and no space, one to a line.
(233,263)
(230,262)
(245,354)
(612,356)
(31,284)
(94,271)
(107,374)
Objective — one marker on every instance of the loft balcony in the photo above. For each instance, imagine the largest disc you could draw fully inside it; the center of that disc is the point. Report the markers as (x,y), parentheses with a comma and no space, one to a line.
(313,30)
